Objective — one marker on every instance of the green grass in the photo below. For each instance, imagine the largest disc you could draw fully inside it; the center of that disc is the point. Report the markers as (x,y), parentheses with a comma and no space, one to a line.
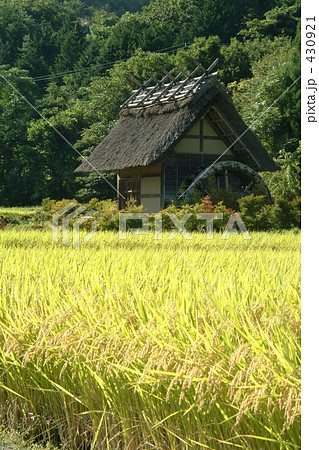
(171,344)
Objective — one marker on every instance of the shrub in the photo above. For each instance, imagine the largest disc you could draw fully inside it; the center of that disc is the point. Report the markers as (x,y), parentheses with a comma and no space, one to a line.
(60,204)
(218,208)
(258,214)
(191,225)
(47,204)
(254,211)
(286,213)
(225,195)
(16,217)
(109,219)
(288,179)
(194,224)
(108,213)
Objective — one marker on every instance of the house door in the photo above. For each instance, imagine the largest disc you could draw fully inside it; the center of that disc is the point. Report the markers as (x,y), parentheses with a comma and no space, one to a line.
(129,188)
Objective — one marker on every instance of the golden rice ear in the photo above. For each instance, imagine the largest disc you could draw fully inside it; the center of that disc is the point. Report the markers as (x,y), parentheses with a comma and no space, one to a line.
(175,343)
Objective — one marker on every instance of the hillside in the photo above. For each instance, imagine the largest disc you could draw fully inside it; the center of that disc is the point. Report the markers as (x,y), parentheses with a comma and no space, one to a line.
(119,7)
(72,61)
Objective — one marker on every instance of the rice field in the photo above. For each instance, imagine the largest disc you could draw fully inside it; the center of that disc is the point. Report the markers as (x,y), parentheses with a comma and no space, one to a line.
(142,343)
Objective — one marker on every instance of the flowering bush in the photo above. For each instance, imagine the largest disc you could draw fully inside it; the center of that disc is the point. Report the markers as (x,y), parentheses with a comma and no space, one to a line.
(209,208)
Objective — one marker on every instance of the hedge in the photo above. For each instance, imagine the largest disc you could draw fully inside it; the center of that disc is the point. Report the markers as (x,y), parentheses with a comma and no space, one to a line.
(256,212)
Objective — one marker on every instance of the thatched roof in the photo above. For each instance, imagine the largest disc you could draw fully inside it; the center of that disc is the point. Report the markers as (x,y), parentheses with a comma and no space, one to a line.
(145,135)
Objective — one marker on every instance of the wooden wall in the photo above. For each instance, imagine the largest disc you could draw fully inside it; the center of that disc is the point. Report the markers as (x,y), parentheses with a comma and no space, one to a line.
(146,184)
(155,186)
(201,146)
(202,138)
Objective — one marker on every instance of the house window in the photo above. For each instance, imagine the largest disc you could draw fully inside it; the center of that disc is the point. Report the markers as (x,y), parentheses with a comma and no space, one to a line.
(129,188)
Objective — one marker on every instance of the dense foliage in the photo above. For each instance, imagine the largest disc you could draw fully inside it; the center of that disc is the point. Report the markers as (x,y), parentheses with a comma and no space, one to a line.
(71,60)
(117,6)
(256,211)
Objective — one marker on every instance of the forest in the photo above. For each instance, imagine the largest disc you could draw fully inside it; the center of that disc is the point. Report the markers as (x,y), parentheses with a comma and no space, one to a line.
(65,66)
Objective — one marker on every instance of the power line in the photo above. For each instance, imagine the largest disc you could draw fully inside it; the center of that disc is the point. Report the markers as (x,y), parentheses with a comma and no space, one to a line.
(104,65)
(59,133)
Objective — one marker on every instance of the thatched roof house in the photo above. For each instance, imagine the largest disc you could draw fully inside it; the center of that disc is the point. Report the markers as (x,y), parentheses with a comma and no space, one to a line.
(174,135)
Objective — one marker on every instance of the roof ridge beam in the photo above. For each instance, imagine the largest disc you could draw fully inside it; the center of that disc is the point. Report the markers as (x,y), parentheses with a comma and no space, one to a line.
(151,92)
(135,94)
